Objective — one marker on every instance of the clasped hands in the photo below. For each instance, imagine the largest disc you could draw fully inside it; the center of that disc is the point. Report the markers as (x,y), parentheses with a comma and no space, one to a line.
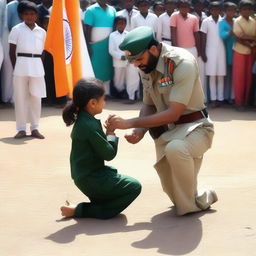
(116,122)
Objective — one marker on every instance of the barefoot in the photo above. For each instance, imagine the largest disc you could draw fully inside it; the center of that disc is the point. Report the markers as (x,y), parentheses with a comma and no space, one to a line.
(68,210)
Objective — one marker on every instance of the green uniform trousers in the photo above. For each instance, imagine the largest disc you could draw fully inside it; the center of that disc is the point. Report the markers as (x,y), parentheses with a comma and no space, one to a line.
(109,193)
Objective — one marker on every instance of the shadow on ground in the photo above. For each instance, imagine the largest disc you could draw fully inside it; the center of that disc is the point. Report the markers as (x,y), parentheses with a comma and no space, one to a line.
(12,141)
(169,233)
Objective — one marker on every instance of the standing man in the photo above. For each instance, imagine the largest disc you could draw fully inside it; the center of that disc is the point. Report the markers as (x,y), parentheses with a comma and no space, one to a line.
(173,99)
(185,29)
(144,17)
(99,21)
(128,12)
(164,28)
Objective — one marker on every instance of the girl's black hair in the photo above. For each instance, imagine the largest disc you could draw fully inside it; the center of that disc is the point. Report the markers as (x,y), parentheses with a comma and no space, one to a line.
(85,90)
(25,6)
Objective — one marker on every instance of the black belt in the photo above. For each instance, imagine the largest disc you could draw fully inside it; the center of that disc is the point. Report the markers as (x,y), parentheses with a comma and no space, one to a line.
(166,39)
(29,55)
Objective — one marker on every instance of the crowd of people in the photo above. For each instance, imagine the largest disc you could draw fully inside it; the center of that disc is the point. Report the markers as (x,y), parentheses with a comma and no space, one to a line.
(220,35)
(129,47)
(213,32)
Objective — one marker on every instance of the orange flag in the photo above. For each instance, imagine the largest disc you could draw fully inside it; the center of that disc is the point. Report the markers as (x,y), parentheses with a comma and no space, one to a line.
(65,41)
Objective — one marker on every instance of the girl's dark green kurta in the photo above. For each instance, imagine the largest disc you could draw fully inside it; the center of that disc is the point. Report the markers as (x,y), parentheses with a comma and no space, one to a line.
(90,146)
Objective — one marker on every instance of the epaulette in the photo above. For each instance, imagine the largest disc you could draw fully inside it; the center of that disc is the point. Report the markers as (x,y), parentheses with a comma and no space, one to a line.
(167,78)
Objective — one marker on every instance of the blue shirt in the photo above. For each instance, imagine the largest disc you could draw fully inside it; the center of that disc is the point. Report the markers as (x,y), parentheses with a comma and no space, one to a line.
(229,40)
(95,16)
(12,15)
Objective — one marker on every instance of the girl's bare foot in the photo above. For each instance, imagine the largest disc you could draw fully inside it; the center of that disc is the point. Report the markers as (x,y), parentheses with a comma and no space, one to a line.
(68,210)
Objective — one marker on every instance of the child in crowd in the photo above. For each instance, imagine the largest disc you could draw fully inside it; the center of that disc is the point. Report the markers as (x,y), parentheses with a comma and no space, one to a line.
(109,192)
(244,50)
(144,17)
(125,74)
(213,53)
(164,30)
(228,37)
(26,46)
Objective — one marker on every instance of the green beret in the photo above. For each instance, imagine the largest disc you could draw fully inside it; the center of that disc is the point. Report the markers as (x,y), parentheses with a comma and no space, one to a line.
(136,42)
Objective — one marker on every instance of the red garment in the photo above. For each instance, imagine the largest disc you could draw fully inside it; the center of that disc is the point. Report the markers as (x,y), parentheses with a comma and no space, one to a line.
(242,77)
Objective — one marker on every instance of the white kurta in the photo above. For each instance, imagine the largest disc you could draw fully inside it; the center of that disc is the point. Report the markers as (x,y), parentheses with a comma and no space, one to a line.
(164,28)
(129,16)
(151,21)
(215,49)
(126,75)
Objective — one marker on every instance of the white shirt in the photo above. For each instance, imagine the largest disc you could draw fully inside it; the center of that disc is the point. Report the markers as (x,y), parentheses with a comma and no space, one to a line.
(215,49)
(129,16)
(28,41)
(151,21)
(211,29)
(115,39)
(163,28)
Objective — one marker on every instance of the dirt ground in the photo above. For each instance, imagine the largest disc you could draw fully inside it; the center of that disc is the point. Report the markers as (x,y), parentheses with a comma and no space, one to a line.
(35,181)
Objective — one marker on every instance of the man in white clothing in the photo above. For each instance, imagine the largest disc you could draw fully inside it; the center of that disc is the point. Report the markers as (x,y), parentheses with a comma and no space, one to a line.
(164,29)
(144,17)
(128,12)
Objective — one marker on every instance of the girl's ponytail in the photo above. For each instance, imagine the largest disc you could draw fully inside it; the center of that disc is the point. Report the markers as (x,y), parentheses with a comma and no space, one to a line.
(69,114)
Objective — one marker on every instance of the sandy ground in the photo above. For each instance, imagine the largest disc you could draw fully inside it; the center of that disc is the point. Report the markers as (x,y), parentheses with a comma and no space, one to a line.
(35,181)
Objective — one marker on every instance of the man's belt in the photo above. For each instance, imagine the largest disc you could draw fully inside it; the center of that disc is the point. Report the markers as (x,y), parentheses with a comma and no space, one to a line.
(29,55)
(192,117)
(166,39)
(156,132)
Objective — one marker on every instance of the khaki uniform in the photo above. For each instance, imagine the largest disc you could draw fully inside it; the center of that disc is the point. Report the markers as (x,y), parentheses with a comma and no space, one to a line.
(179,151)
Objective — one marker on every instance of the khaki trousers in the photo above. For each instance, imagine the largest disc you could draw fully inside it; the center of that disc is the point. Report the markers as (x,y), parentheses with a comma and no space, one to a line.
(179,167)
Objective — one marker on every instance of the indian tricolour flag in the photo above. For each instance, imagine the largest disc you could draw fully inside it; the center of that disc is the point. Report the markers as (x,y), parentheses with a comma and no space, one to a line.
(65,41)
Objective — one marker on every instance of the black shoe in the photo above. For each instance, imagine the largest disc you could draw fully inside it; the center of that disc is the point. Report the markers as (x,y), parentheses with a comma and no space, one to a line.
(20,135)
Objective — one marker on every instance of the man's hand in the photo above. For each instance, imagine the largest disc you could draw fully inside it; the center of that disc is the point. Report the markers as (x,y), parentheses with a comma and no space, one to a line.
(135,135)
(116,122)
